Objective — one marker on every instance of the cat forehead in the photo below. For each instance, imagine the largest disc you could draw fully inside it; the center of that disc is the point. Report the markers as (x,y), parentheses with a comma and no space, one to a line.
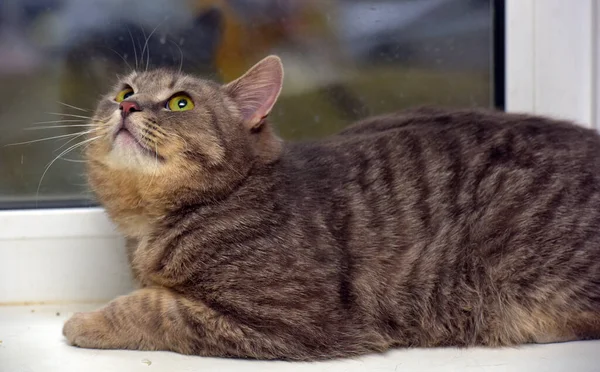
(161,82)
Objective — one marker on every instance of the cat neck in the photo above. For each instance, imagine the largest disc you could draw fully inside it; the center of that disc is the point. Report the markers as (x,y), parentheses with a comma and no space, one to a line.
(137,202)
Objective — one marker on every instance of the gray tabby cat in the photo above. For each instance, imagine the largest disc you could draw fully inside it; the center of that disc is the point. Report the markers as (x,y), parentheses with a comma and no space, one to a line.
(425,228)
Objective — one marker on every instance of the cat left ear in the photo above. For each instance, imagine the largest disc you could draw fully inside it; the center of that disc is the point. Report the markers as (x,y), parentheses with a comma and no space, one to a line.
(257,90)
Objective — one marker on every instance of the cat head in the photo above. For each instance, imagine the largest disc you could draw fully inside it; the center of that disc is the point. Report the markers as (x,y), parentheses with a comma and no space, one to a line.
(160,131)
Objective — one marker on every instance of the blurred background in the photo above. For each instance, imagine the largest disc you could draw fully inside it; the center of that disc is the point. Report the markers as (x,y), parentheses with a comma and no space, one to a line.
(344,60)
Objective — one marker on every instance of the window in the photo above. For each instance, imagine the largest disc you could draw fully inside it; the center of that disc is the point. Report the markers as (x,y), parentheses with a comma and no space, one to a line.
(344,60)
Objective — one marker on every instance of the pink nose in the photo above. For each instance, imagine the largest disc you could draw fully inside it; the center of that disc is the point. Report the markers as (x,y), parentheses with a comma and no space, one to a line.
(127,107)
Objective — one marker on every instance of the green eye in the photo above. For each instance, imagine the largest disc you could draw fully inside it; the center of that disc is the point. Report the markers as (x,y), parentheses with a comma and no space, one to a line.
(124,94)
(180,102)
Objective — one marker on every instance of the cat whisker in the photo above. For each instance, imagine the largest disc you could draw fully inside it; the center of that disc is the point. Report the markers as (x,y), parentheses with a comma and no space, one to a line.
(185,143)
(180,55)
(123,58)
(61,121)
(140,45)
(60,126)
(146,46)
(71,148)
(134,48)
(73,161)
(76,118)
(146,43)
(70,115)
(73,107)
(69,141)
(50,138)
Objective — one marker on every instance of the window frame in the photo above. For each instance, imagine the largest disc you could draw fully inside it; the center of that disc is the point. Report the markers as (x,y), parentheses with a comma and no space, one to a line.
(552,64)
(539,77)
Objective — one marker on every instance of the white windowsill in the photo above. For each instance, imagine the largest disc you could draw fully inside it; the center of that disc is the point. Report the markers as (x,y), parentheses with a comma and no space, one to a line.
(32,341)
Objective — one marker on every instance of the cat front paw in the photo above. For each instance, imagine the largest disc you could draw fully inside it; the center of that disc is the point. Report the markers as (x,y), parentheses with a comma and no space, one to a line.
(87,330)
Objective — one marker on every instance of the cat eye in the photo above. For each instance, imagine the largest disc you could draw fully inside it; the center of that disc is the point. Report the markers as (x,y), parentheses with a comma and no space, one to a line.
(180,102)
(124,94)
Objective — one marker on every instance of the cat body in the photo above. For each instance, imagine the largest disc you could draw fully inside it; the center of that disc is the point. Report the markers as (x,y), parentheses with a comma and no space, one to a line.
(425,228)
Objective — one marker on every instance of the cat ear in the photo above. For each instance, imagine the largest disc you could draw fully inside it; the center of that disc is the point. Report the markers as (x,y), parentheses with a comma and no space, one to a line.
(257,90)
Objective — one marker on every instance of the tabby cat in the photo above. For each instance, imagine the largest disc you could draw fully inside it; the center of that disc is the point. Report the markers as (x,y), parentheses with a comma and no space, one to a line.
(425,228)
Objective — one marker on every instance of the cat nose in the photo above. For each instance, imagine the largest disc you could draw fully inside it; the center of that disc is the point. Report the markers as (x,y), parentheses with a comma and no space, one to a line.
(127,107)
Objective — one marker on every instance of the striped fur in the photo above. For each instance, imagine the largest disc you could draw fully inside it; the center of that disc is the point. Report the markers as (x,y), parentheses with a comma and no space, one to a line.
(425,228)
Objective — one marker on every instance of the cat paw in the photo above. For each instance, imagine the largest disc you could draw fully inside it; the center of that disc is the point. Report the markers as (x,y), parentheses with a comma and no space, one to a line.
(87,330)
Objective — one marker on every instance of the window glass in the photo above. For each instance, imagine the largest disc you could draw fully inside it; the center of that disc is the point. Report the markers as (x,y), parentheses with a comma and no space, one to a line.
(344,60)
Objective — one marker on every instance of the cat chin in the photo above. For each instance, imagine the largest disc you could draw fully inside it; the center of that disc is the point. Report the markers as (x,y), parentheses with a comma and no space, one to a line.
(132,158)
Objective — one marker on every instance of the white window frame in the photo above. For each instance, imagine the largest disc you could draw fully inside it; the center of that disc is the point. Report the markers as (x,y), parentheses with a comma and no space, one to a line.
(552,67)
(552,64)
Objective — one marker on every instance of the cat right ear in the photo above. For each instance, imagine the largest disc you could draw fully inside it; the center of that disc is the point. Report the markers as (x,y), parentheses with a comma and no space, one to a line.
(257,90)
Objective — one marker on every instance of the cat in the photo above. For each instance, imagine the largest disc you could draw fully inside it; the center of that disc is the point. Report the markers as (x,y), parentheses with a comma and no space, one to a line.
(430,227)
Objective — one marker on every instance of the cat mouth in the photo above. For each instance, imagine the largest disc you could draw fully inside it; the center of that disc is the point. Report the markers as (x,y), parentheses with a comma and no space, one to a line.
(131,139)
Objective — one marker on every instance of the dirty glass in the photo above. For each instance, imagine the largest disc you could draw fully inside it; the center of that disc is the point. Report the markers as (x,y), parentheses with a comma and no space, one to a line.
(344,60)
